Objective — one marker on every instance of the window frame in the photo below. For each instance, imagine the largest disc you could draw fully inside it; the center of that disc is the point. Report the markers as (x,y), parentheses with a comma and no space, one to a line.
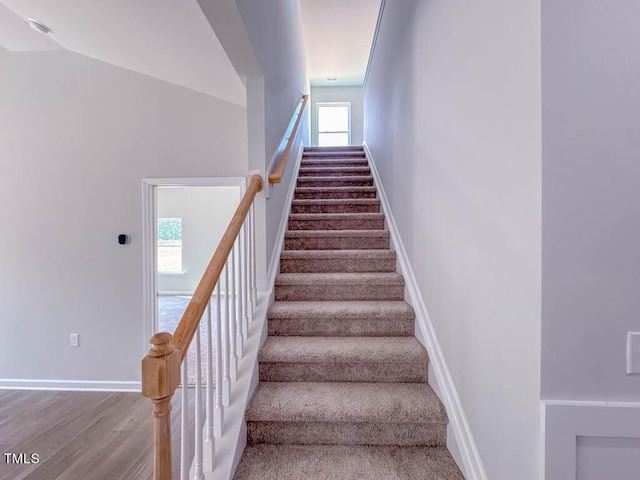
(319,105)
(181,271)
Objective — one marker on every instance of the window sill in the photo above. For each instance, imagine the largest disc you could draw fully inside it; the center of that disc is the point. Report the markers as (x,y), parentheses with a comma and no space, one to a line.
(172,273)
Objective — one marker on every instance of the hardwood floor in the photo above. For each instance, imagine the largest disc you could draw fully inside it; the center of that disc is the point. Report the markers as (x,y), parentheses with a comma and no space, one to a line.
(80,435)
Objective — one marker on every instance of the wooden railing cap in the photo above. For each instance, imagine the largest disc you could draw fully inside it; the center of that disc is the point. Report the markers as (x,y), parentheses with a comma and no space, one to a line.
(161,345)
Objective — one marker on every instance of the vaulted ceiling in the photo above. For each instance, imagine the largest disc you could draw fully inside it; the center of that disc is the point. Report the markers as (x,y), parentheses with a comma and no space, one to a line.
(166,39)
(338,36)
(173,40)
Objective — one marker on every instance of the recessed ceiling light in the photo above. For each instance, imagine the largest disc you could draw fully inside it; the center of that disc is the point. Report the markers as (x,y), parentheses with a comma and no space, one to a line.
(332,79)
(37,26)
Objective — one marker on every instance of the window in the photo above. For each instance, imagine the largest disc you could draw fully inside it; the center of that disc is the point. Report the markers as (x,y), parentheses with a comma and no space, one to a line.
(334,124)
(169,245)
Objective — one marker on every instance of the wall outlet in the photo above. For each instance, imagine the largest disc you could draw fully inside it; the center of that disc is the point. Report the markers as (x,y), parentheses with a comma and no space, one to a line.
(633,352)
(74,340)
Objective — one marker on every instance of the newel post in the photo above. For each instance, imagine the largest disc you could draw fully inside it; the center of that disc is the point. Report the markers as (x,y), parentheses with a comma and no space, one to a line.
(160,378)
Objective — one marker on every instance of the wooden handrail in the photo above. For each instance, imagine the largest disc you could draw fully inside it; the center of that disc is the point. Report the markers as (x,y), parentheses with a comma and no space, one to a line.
(192,315)
(276,176)
(161,366)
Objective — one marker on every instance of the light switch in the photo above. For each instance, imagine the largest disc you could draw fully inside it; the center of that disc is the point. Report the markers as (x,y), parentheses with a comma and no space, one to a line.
(633,352)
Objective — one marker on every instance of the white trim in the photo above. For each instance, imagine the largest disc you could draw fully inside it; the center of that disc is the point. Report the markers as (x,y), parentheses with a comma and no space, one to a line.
(565,420)
(149,213)
(374,42)
(441,380)
(75,385)
(274,262)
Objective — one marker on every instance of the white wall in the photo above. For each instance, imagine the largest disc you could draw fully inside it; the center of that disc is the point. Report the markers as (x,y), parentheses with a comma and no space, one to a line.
(452,118)
(275,31)
(590,233)
(205,214)
(591,222)
(78,135)
(353,95)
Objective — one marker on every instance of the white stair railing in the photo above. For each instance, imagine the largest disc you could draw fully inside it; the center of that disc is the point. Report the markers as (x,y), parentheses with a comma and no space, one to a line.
(231,273)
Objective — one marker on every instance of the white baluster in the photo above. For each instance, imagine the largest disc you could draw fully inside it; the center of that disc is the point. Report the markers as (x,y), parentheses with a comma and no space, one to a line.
(218,412)
(241,311)
(250,266)
(231,322)
(245,267)
(199,474)
(254,290)
(209,393)
(226,381)
(185,461)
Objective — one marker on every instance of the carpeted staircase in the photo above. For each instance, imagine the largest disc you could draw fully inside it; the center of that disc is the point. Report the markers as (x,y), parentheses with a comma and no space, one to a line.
(343,390)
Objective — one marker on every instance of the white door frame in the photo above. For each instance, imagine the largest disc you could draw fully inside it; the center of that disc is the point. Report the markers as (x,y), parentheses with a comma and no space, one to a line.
(149,267)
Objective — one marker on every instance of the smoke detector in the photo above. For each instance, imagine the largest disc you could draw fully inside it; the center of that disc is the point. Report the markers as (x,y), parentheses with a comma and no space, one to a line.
(37,26)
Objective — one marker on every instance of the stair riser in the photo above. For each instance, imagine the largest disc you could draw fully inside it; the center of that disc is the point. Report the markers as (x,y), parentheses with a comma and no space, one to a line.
(297,293)
(392,372)
(326,433)
(366,208)
(320,194)
(346,224)
(342,148)
(338,265)
(336,243)
(334,162)
(337,327)
(355,154)
(329,172)
(358,181)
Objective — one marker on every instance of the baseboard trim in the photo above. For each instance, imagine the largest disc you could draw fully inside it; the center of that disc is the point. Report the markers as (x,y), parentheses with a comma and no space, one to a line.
(274,262)
(563,421)
(74,385)
(469,457)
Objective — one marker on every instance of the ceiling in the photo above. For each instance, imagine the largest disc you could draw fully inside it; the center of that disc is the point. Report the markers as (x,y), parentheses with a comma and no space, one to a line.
(338,36)
(166,39)
(173,41)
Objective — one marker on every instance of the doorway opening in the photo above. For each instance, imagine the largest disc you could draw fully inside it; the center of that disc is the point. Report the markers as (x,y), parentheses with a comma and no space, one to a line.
(184,220)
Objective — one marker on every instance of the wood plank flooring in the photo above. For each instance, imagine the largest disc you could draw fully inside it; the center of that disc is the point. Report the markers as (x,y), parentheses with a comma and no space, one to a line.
(80,435)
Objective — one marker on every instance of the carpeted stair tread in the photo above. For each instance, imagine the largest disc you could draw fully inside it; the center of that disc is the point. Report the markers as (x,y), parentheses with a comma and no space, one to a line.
(336,221)
(337,233)
(343,349)
(336,239)
(346,462)
(339,286)
(356,402)
(334,162)
(343,359)
(324,261)
(366,191)
(342,309)
(329,171)
(336,181)
(377,278)
(345,148)
(340,154)
(341,318)
(336,205)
